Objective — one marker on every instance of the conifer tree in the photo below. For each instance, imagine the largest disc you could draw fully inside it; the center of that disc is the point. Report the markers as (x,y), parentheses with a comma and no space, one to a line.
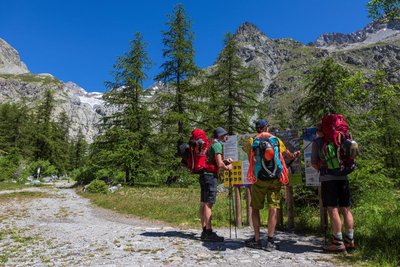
(79,150)
(233,91)
(43,149)
(177,71)
(325,91)
(384,9)
(126,132)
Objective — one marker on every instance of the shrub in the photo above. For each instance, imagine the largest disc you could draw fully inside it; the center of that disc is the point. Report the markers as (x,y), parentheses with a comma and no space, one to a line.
(8,167)
(84,175)
(97,186)
(46,169)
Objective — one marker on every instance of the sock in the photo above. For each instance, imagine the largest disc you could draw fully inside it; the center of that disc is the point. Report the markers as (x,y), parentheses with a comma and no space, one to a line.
(204,229)
(270,239)
(209,230)
(350,233)
(338,236)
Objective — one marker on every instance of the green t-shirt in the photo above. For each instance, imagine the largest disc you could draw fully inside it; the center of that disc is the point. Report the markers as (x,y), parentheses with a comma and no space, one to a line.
(215,148)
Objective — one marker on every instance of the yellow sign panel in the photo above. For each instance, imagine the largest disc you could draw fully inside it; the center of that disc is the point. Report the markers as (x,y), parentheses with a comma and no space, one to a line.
(235,174)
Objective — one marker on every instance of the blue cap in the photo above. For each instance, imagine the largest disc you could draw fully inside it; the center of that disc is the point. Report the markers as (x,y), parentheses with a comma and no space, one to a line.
(261,123)
(218,132)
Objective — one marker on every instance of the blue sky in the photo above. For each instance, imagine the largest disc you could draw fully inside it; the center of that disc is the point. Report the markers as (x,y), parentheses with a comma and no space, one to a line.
(79,40)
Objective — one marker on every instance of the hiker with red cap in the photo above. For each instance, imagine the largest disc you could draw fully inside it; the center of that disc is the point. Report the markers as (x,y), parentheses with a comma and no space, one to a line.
(267,171)
(208,183)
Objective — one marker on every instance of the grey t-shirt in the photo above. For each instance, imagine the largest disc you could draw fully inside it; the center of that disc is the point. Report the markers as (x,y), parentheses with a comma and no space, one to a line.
(317,156)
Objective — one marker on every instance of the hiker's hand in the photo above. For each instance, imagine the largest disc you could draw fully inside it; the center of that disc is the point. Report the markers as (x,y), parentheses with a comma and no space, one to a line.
(228,167)
(228,161)
(296,154)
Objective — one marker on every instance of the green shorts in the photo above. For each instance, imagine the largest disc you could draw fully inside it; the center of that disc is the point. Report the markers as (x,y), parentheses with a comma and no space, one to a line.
(271,189)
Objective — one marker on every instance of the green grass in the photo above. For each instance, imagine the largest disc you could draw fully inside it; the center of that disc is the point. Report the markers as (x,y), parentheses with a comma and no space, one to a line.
(12,186)
(19,196)
(176,206)
(28,77)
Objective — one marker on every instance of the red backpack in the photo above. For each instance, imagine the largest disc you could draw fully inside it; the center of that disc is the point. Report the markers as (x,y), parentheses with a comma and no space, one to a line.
(335,128)
(194,154)
(340,149)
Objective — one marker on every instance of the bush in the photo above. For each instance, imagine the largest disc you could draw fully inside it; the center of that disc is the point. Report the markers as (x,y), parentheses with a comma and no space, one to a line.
(97,186)
(8,167)
(84,175)
(46,169)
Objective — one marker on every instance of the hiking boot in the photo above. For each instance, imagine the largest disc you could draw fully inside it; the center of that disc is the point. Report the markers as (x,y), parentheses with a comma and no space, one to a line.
(335,246)
(212,237)
(203,235)
(349,243)
(271,246)
(252,243)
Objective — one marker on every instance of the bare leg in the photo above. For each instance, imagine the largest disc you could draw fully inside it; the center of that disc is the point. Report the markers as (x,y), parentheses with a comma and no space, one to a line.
(272,219)
(202,218)
(348,217)
(335,219)
(255,215)
(207,215)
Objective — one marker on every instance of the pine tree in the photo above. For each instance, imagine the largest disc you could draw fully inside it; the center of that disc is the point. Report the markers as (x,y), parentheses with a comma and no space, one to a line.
(79,150)
(325,91)
(384,9)
(127,131)
(233,91)
(178,69)
(43,149)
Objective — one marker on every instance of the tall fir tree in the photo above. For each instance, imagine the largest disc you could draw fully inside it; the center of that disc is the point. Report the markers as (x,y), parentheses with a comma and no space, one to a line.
(233,90)
(384,9)
(43,149)
(177,71)
(127,131)
(325,91)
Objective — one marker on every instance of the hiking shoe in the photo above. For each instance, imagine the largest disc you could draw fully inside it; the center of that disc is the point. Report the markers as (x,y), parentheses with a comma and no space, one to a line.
(252,243)
(203,235)
(271,246)
(349,243)
(335,246)
(212,237)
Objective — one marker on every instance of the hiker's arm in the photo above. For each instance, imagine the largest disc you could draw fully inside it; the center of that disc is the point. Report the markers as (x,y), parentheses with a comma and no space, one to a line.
(221,164)
(291,155)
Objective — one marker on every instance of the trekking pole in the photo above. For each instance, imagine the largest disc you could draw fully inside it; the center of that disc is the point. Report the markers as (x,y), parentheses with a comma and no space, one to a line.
(230,203)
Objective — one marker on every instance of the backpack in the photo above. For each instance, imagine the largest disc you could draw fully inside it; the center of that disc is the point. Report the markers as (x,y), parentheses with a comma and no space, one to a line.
(266,162)
(339,148)
(194,153)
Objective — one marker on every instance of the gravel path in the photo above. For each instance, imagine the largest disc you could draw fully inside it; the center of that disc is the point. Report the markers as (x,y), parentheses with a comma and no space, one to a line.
(64,229)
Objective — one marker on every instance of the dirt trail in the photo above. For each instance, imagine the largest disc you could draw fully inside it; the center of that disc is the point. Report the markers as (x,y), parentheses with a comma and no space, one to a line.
(64,229)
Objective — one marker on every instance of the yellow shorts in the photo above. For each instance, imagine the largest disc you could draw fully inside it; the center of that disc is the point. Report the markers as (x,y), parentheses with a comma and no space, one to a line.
(271,189)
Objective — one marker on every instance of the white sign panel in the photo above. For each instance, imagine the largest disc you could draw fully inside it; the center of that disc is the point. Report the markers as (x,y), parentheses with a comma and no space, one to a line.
(312,175)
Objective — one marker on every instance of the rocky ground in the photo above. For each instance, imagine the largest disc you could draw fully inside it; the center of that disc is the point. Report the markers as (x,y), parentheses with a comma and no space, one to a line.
(64,229)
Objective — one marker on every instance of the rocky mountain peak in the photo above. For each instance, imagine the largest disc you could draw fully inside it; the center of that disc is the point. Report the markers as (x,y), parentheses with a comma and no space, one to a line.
(374,32)
(10,62)
(249,33)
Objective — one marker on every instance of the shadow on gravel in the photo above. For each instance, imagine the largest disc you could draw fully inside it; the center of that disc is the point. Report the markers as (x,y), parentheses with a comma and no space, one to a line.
(222,246)
(171,234)
(294,247)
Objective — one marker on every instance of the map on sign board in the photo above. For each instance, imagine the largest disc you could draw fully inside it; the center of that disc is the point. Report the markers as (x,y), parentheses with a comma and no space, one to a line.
(312,175)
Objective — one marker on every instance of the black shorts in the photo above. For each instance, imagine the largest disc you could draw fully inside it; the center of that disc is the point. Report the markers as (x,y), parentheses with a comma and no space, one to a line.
(336,193)
(208,185)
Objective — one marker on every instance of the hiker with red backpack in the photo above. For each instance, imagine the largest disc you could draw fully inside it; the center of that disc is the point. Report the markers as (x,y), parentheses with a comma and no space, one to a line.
(203,157)
(208,183)
(267,171)
(333,154)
